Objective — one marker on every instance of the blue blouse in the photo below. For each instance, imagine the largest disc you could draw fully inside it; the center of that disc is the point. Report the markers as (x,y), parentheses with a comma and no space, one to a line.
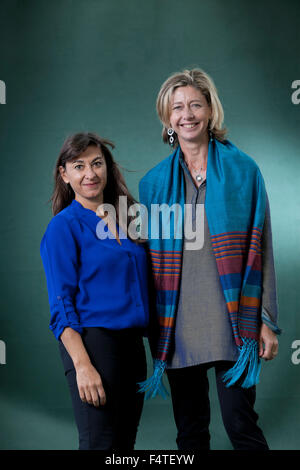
(91,281)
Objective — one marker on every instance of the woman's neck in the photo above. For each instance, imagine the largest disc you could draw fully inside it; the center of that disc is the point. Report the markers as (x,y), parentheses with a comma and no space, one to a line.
(90,203)
(195,153)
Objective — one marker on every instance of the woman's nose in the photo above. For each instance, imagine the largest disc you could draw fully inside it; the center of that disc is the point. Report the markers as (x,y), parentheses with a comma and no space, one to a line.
(89,172)
(188,113)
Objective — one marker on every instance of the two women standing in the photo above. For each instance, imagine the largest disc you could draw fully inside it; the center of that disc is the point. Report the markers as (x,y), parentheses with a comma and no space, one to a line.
(214,306)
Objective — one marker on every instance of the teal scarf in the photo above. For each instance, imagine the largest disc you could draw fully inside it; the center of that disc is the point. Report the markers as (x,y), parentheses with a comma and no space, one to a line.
(235,209)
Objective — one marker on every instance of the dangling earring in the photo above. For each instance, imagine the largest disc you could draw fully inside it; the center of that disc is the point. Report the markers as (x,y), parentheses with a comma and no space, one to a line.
(210,134)
(170,134)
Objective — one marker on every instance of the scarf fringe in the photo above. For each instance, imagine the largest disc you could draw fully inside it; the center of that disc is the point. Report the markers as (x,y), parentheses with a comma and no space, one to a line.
(154,385)
(248,356)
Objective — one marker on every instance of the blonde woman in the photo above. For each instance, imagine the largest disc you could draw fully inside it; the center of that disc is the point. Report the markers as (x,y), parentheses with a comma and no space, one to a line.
(216,305)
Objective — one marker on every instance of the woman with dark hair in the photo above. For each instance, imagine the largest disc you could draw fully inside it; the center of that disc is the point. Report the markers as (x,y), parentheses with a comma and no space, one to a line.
(98,294)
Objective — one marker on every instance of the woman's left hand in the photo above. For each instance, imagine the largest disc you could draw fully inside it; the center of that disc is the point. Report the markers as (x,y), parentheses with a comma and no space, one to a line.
(268,343)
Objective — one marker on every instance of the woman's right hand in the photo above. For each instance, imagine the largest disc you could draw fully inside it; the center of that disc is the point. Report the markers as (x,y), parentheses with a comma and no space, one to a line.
(90,385)
(88,379)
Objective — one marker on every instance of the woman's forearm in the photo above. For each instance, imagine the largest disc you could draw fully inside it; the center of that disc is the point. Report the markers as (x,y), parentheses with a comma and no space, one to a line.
(73,343)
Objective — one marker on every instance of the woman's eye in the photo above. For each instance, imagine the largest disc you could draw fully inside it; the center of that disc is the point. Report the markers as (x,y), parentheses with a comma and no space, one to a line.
(78,167)
(98,163)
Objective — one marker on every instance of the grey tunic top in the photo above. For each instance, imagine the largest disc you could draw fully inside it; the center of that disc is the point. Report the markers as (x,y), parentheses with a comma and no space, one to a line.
(203,331)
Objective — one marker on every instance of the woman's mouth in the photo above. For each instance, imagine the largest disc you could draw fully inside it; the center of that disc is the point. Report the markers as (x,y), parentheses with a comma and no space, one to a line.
(190,126)
(90,185)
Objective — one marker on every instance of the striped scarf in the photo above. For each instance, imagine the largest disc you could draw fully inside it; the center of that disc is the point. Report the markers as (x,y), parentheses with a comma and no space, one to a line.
(235,209)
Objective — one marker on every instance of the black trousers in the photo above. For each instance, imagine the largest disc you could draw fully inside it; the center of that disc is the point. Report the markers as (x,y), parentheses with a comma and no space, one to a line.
(119,357)
(191,407)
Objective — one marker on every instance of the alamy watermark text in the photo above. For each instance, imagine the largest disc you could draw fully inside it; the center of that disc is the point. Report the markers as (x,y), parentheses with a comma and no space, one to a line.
(296,94)
(2,92)
(2,352)
(161,222)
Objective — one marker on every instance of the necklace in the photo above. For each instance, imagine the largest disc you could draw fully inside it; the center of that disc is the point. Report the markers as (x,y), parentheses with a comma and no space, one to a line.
(198,176)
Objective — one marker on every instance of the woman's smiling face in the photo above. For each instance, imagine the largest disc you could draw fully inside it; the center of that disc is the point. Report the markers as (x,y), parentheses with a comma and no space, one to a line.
(189,114)
(87,175)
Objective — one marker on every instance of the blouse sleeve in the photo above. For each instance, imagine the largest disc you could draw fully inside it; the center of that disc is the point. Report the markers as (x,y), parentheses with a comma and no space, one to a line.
(59,252)
(269,312)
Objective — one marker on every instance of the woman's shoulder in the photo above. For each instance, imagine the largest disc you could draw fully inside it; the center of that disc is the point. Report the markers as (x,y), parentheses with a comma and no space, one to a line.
(158,170)
(63,222)
(239,156)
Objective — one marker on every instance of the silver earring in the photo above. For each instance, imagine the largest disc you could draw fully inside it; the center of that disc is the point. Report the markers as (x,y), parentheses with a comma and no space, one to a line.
(210,134)
(171,138)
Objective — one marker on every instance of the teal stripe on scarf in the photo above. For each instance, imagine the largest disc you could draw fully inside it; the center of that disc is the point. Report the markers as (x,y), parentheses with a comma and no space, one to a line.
(235,209)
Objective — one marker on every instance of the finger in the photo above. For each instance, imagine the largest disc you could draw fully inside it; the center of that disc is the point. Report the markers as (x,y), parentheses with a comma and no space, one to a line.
(261,347)
(274,349)
(81,394)
(95,396)
(267,355)
(88,396)
(267,352)
(102,394)
(274,353)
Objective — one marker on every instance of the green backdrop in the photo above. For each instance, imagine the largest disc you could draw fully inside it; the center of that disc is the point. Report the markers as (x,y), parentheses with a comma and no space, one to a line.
(72,65)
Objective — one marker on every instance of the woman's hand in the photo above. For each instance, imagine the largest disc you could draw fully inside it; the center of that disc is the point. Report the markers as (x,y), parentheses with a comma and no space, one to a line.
(88,379)
(268,343)
(90,385)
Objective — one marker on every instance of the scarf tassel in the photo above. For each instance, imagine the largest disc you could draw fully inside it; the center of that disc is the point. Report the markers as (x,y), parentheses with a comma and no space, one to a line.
(154,385)
(248,357)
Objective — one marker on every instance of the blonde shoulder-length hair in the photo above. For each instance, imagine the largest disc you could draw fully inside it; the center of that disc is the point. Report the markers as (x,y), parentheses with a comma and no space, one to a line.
(201,81)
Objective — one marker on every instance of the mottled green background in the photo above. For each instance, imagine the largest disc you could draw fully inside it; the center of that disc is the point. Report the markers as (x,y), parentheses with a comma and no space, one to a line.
(97,65)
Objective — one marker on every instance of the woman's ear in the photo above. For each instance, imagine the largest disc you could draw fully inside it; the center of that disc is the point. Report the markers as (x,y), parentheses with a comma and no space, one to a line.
(62,172)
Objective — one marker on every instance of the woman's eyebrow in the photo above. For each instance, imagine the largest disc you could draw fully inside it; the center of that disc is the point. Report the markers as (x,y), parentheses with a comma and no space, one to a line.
(98,156)
(191,101)
(82,161)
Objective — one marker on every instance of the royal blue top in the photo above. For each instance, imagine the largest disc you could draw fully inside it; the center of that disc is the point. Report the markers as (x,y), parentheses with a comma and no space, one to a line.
(92,281)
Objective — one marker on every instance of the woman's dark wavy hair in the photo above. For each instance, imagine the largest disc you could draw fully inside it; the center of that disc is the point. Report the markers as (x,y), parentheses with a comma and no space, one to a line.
(73,146)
